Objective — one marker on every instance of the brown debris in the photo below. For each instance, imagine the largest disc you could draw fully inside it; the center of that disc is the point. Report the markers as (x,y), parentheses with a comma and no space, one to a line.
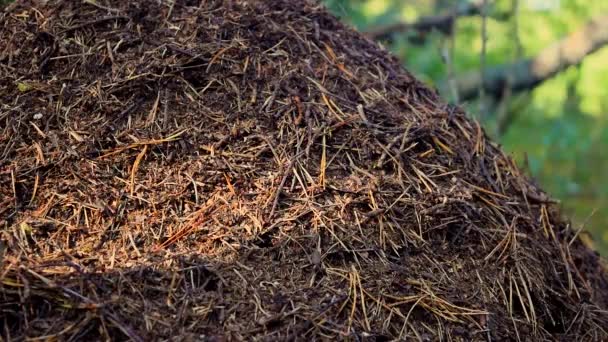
(256,170)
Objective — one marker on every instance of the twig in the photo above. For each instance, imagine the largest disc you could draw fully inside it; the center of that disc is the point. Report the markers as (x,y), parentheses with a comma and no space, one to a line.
(482,57)
(279,189)
(94,22)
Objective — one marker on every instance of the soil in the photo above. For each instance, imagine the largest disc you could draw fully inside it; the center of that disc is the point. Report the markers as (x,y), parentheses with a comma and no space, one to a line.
(256,170)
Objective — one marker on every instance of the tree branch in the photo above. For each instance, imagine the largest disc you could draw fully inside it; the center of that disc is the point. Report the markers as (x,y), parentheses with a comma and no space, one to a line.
(530,72)
(442,23)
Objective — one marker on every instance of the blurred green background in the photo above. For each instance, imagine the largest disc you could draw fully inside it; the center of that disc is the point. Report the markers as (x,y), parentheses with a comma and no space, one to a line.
(557,130)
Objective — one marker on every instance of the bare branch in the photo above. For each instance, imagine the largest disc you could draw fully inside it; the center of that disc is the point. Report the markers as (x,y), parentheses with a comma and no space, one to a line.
(442,23)
(528,73)
(482,57)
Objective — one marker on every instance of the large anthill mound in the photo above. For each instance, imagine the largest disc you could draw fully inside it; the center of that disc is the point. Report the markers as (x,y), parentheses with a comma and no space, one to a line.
(256,170)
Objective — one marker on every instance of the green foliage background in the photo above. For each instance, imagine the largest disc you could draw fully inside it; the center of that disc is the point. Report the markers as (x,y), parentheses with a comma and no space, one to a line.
(559,130)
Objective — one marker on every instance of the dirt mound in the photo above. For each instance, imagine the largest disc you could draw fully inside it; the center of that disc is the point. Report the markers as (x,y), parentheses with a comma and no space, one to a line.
(254,169)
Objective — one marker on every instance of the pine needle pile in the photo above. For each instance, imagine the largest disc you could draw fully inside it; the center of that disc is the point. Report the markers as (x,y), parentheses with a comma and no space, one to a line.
(238,170)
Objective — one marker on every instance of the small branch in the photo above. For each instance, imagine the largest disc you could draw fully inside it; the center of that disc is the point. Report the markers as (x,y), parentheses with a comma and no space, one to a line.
(442,23)
(505,116)
(448,51)
(482,57)
(280,188)
(528,73)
